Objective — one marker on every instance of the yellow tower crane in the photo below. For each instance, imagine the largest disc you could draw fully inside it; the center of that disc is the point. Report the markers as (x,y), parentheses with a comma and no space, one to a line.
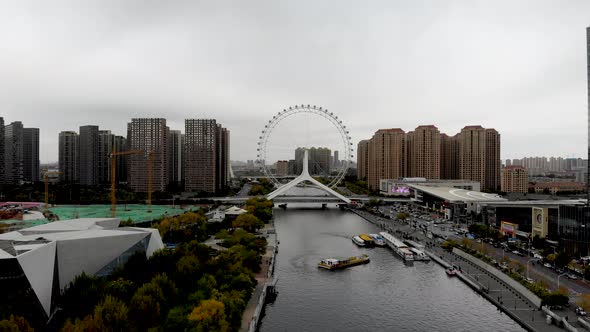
(114,156)
(46,177)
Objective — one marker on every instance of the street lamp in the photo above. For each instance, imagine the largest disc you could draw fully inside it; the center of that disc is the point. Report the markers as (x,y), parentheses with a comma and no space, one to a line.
(559,276)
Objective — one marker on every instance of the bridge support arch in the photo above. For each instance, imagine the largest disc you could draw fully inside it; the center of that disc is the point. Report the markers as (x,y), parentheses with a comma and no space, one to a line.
(305,176)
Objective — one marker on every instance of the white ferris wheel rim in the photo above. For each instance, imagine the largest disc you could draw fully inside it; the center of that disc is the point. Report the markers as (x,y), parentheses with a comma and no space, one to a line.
(285,113)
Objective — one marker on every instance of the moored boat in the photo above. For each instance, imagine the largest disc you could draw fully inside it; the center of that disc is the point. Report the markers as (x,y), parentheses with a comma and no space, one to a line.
(358,241)
(378,240)
(398,246)
(340,263)
(367,239)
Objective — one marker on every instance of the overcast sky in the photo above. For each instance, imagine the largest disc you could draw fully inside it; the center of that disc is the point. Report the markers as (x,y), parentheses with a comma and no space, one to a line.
(517,66)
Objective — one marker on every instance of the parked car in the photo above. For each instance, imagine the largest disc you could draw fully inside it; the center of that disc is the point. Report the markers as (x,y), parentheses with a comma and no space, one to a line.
(580,311)
(572,276)
(529,280)
(547,265)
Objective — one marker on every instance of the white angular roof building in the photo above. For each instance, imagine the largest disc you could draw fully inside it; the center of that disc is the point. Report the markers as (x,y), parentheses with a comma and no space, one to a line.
(48,257)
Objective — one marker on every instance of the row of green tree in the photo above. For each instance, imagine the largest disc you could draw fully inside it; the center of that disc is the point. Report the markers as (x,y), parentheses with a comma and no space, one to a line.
(190,288)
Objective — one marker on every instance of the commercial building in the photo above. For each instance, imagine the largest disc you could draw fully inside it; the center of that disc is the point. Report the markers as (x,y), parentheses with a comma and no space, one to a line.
(149,135)
(31,161)
(403,187)
(588,86)
(69,157)
(89,155)
(515,179)
(362,160)
(555,187)
(37,263)
(206,165)
(13,153)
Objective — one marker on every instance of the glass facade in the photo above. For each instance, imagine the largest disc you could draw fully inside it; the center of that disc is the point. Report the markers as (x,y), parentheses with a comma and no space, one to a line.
(574,229)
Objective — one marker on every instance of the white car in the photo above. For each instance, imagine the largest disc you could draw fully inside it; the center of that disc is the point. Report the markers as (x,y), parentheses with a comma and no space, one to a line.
(547,265)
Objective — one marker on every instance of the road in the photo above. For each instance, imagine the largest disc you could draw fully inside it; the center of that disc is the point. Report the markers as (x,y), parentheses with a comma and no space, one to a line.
(539,272)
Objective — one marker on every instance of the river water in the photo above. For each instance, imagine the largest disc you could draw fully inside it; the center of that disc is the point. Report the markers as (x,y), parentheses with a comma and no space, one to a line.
(384,295)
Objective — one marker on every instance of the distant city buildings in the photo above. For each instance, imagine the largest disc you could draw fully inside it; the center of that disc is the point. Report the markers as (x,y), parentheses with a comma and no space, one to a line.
(282,167)
(148,136)
(515,179)
(473,154)
(319,163)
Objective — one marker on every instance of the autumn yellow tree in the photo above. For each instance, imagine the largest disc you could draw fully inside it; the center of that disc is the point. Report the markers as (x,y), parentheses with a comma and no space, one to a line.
(210,316)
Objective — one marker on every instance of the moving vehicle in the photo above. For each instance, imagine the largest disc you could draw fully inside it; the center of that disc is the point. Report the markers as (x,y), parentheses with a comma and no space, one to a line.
(340,263)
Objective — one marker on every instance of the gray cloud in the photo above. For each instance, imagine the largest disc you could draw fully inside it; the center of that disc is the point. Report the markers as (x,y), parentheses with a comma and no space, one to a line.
(518,67)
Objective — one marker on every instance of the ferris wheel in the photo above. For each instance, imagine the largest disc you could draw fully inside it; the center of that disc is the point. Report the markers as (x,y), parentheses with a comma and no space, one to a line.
(265,140)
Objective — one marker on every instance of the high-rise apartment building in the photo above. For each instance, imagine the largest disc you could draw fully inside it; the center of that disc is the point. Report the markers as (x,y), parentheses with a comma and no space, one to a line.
(201,159)
(424,155)
(89,155)
(492,160)
(175,157)
(449,157)
(119,145)
(31,162)
(472,149)
(13,153)
(222,175)
(149,135)
(69,157)
(106,140)
(336,160)
(362,160)
(515,179)
(386,156)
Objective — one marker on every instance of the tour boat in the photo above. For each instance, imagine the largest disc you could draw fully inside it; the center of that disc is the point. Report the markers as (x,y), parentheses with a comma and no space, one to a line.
(378,240)
(340,263)
(398,246)
(358,241)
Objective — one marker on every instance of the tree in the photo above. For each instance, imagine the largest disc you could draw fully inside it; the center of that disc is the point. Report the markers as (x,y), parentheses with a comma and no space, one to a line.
(584,302)
(248,221)
(144,311)
(15,324)
(112,315)
(210,316)
(562,259)
(260,207)
(402,216)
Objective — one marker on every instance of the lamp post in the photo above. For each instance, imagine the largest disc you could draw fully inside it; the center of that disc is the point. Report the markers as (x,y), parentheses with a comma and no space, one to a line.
(559,276)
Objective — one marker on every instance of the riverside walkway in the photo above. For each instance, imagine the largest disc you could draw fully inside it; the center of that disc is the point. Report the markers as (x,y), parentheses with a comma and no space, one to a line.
(497,292)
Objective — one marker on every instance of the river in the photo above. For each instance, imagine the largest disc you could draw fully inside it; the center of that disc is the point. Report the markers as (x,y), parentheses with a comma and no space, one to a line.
(384,295)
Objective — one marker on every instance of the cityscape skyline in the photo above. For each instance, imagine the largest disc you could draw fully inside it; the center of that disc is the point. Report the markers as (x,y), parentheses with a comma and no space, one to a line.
(436,69)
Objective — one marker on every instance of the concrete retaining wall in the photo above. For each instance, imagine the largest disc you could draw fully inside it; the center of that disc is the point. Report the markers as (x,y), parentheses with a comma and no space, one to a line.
(584,323)
(500,275)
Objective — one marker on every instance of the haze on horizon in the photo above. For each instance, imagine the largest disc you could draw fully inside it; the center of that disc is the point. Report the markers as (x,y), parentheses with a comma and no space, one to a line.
(519,67)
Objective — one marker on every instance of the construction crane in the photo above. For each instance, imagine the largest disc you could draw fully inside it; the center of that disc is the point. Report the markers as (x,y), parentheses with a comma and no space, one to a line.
(46,176)
(114,156)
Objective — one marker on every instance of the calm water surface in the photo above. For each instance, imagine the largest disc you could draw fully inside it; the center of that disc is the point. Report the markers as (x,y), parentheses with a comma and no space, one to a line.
(384,295)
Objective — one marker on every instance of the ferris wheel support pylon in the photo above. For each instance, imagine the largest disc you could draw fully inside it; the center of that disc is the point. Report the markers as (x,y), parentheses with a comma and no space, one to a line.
(305,176)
